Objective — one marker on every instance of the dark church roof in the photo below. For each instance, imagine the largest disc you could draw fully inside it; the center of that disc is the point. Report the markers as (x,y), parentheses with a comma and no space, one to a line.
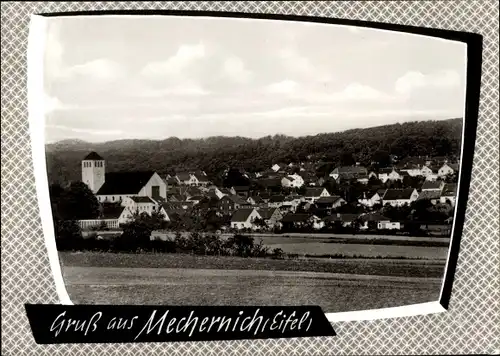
(111,211)
(93,156)
(118,183)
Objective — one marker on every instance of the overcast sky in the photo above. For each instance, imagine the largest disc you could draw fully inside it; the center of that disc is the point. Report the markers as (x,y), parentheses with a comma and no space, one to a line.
(154,77)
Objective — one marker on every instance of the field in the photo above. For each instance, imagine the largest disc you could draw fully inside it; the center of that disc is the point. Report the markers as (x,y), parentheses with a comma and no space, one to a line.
(175,279)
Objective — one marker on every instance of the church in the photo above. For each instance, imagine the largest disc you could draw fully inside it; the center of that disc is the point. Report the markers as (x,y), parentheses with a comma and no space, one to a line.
(136,190)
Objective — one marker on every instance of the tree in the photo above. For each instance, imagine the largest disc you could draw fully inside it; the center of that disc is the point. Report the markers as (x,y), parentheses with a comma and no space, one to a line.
(382,157)
(347,159)
(77,203)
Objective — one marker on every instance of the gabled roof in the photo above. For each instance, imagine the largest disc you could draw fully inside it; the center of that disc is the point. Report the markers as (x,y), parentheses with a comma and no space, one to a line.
(374,217)
(241,215)
(397,194)
(450,190)
(350,169)
(435,185)
(328,200)
(276,198)
(267,213)
(380,192)
(313,192)
(142,200)
(119,183)
(257,199)
(195,197)
(111,211)
(173,205)
(298,217)
(429,194)
(93,156)
(183,176)
(235,199)
(453,166)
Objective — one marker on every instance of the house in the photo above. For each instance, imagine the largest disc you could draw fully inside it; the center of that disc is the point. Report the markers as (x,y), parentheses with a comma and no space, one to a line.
(292,202)
(177,205)
(433,186)
(370,199)
(331,202)
(348,172)
(255,200)
(183,178)
(242,191)
(140,204)
(276,201)
(389,225)
(313,194)
(447,168)
(433,196)
(245,218)
(363,178)
(115,186)
(119,185)
(170,212)
(449,194)
(279,167)
(391,174)
(298,220)
(271,216)
(431,173)
(413,170)
(292,181)
(375,220)
(111,214)
(399,197)
(344,219)
(270,184)
(230,203)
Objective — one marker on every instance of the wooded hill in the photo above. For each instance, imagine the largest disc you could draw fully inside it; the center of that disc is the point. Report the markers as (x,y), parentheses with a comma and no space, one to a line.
(215,154)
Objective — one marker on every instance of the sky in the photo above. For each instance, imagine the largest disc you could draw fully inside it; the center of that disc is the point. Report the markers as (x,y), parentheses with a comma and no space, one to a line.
(154,77)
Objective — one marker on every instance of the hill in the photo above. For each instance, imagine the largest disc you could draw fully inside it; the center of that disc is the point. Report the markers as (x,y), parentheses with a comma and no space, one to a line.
(214,154)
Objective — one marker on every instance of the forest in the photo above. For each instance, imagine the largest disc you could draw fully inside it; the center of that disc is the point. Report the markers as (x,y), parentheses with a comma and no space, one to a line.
(216,154)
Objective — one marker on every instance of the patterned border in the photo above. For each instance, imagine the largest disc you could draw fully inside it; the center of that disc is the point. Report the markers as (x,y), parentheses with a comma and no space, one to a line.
(470,325)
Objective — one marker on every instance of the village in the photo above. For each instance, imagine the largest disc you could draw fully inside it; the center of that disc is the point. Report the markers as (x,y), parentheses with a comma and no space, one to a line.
(285,198)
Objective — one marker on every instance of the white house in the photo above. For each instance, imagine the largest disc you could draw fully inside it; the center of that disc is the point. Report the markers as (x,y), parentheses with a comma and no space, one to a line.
(349,172)
(292,181)
(391,174)
(313,194)
(140,204)
(447,168)
(449,194)
(400,197)
(278,167)
(114,187)
(430,173)
(271,216)
(433,185)
(112,215)
(244,218)
(369,200)
(389,225)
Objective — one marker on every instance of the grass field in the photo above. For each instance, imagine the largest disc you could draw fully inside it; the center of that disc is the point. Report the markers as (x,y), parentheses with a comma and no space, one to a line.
(326,246)
(406,268)
(175,279)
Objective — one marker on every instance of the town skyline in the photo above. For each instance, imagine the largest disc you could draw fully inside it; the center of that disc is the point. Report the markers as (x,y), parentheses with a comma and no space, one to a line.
(109,78)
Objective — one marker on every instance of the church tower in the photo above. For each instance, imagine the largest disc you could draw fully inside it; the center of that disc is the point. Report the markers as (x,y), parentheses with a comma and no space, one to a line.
(93,171)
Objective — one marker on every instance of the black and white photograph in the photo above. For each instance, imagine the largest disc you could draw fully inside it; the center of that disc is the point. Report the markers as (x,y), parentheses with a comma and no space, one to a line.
(232,161)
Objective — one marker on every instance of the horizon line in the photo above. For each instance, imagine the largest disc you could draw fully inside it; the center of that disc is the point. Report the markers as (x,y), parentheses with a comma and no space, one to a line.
(244,137)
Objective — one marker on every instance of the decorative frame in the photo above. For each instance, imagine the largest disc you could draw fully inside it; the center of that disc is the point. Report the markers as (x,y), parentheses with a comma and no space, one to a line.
(469,326)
